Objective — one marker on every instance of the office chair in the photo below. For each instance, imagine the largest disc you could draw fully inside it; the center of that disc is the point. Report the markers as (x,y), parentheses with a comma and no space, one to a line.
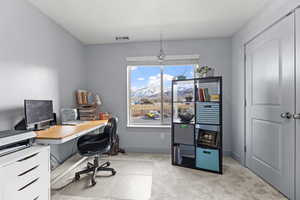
(94,146)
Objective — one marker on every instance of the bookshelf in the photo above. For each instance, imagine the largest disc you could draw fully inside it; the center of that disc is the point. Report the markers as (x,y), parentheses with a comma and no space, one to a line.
(197,143)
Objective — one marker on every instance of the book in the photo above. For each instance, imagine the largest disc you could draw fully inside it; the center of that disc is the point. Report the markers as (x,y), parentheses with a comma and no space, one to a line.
(200,94)
(206,94)
(78,97)
(90,98)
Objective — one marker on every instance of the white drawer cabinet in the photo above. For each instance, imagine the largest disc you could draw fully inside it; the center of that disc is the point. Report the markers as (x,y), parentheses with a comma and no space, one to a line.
(26,174)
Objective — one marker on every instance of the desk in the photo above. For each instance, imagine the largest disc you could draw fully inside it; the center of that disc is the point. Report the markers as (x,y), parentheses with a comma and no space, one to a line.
(63,133)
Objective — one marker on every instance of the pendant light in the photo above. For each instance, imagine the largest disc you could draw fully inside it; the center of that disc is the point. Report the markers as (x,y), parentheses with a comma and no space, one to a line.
(161,56)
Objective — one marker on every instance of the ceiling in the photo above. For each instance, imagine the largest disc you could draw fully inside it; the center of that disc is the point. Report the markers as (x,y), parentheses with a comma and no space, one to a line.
(100,21)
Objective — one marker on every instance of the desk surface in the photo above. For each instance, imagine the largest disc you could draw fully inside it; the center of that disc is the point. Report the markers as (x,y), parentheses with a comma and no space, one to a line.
(61,132)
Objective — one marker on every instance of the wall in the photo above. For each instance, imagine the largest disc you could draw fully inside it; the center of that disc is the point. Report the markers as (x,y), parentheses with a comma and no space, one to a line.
(270,14)
(107,76)
(38,60)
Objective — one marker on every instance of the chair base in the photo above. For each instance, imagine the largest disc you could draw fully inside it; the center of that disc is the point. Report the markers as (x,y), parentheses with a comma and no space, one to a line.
(94,168)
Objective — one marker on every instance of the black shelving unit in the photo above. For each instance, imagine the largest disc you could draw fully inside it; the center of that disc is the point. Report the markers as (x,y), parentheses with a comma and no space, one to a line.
(198,144)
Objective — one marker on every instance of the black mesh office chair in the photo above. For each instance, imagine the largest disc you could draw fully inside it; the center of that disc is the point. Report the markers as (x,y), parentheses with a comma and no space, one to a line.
(94,146)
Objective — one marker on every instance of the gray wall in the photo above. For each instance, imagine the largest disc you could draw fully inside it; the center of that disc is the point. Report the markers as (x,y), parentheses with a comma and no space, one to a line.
(272,12)
(107,76)
(38,60)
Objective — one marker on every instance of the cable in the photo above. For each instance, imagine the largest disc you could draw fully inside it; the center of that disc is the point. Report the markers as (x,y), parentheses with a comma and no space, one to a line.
(56,159)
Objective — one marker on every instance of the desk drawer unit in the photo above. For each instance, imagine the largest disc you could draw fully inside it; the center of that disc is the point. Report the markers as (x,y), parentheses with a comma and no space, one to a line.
(27,178)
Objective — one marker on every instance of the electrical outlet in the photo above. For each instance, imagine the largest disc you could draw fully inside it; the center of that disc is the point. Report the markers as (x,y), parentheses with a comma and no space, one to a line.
(162,136)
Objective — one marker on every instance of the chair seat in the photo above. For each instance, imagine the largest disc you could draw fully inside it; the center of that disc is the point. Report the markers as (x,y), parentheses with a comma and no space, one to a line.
(90,145)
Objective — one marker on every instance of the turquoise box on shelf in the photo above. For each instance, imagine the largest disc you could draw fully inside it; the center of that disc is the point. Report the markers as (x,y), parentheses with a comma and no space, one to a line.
(207,159)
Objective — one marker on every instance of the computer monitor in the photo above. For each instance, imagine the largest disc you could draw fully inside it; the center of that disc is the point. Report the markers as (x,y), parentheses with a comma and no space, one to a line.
(38,112)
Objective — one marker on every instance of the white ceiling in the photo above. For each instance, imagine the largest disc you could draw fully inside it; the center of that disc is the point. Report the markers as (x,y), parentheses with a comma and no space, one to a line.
(100,21)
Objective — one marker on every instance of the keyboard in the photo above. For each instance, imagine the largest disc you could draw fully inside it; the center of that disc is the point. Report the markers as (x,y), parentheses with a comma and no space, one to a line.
(73,123)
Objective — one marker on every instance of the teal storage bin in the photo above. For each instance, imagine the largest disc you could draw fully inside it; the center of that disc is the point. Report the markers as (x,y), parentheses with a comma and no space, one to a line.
(207,159)
(207,113)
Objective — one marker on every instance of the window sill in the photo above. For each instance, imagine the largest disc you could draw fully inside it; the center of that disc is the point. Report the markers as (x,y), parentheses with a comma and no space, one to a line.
(147,126)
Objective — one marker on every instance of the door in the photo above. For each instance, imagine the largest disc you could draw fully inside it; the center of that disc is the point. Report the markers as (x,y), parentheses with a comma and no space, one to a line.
(270,97)
(297,115)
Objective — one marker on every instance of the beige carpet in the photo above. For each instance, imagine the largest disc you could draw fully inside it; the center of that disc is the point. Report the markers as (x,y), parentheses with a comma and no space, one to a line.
(151,176)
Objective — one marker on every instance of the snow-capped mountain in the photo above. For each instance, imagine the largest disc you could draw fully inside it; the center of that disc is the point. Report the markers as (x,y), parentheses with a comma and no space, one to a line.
(146,92)
(153,92)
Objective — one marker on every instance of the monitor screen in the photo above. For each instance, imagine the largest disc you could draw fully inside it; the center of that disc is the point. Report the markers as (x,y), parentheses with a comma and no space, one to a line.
(37,111)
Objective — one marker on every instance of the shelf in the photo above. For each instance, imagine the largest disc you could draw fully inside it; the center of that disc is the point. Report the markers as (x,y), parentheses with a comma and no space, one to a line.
(187,162)
(207,147)
(212,171)
(179,122)
(204,111)
(207,101)
(209,124)
(176,143)
(206,79)
(183,101)
(196,101)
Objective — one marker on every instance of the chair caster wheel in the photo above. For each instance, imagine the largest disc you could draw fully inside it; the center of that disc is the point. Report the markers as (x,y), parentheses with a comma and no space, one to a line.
(108,164)
(113,172)
(93,182)
(77,177)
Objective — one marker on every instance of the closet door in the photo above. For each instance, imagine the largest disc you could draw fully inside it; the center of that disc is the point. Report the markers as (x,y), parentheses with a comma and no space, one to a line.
(270,96)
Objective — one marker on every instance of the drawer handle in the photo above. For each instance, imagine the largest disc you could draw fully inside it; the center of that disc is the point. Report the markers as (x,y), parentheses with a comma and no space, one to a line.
(22,188)
(28,157)
(207,152)
(36,198)
(22,174)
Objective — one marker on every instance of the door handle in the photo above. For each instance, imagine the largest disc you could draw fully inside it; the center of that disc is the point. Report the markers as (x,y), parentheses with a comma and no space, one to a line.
(286,115)
(296,116)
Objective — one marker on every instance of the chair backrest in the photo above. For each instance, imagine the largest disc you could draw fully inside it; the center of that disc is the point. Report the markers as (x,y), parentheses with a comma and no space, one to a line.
(110,129)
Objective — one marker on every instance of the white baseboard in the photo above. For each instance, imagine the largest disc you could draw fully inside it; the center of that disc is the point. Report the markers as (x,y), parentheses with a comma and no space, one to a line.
(236,157)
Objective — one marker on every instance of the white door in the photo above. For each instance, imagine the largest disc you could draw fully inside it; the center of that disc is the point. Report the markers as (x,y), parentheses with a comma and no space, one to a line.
(297,115)
(270,97)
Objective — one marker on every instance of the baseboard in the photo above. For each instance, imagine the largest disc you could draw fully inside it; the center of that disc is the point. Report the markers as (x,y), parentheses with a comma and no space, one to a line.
(236,157)
(226,153)
(160,150)
(146,150)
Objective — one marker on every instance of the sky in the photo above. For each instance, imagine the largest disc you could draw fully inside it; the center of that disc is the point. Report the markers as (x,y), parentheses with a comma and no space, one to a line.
(143,76)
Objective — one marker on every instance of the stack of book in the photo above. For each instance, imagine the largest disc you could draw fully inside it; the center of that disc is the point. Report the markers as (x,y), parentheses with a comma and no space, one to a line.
(87,112)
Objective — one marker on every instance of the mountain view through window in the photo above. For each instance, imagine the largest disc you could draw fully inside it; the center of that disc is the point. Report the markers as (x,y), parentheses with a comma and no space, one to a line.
(150,92)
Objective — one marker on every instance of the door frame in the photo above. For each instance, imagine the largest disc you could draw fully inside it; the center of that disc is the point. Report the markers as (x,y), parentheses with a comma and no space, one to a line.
(243,160)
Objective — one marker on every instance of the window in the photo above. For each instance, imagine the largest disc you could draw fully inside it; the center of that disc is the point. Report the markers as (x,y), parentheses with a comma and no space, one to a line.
(149,92)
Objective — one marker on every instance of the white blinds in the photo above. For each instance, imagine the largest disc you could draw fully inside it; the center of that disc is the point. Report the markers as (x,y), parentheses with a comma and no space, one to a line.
(169,60)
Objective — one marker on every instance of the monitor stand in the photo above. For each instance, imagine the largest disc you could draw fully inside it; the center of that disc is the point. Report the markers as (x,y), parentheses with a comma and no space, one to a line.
(41,126)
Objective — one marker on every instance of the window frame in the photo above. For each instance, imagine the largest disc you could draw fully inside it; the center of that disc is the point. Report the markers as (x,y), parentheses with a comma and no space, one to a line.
(161,65)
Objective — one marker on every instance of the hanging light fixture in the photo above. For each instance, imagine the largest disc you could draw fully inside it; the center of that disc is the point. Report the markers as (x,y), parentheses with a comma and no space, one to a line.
(161,56)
